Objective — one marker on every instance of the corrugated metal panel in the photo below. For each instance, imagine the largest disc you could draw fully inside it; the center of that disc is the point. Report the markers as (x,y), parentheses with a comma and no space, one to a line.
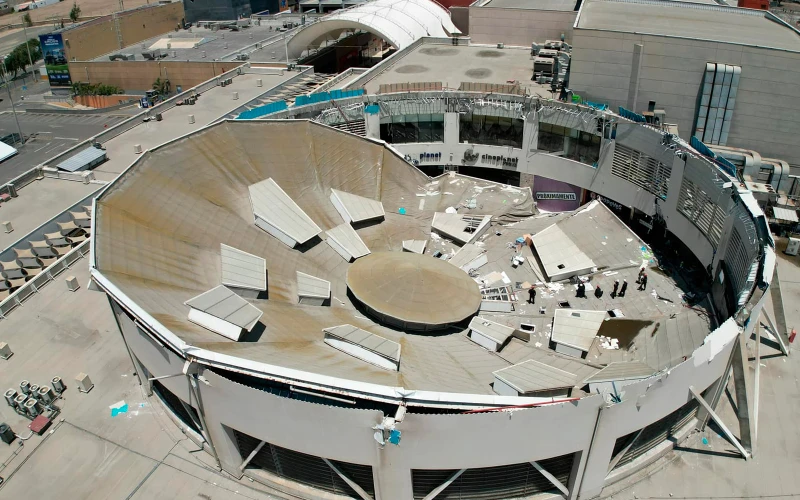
(785,214)
(348,240)
(467,254)
(531,376)
(415,246)
(366,340)
(576,328)
(89,156)
(221,302)
(359,208)
(272,204)
(641,170)
(493,483)
(242,269)
(311,286)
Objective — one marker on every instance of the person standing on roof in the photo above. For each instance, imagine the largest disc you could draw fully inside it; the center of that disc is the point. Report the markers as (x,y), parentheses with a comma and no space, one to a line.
(624,287)
(532,295)
(643,283)
(616,287)
(641,273)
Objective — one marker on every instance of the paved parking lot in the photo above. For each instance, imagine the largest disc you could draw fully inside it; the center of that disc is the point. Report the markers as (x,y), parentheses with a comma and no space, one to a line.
(66,130)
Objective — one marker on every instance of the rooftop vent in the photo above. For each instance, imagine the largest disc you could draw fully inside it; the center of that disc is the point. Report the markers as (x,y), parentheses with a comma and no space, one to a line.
(365,346)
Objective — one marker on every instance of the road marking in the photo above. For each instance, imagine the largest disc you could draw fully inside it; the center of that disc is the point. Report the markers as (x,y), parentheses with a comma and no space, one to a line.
(67,138)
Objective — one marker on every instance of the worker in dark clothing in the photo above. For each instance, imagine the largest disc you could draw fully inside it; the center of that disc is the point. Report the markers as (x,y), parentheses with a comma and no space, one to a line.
(641,273)
(616,287)
(581,290)
(532,295)
(598,292)
(643,283)
(624,288)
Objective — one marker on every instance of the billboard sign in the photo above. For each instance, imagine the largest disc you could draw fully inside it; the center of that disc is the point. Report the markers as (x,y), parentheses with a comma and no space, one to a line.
(555,196)
(55,60)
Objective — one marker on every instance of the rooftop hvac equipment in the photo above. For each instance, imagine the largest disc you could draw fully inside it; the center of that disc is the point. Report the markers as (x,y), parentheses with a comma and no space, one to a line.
(45,394)
(34,391)
(10,396)
(19,401)
(235,96)
(7,227)
(191,118)
(72,283)
(5,351)
(25,387)
(32,407)
(793,247)
(84,383)
(58,384)
(259,82)
(549,53)
(137,148)
(6,434)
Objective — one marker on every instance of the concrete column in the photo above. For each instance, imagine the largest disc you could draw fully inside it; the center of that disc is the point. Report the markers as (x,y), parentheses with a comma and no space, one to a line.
(393,477)
(451,128)
(633,85)
(372,123)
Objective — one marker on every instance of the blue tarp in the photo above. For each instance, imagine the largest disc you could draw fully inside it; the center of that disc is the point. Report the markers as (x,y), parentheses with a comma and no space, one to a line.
(304,100)
(260,111)
(704,150)
(630,115)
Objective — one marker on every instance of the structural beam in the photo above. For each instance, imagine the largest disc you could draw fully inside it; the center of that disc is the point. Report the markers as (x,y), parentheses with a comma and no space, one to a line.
(551,478)
(742,384)
(623,451)
(775,332)
(719,422)
(358,489)
(441,487)
(252,455)
(755,389)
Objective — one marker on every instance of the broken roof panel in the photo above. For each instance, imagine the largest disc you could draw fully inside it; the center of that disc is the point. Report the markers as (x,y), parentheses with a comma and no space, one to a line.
(364,345)
(532,376)
(354,208)
(469,257)
(346,241)
(415,246)
(221,302)
(576,328)
(559,255)
(272,205)
(622,370)
(242,269)
(461,228)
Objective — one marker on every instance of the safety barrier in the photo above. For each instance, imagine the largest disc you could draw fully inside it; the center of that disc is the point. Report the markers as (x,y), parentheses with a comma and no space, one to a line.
(260,111)
(46,276)
(316,97)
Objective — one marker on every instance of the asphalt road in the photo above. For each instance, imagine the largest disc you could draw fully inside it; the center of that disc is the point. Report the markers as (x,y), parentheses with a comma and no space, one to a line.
(67,130)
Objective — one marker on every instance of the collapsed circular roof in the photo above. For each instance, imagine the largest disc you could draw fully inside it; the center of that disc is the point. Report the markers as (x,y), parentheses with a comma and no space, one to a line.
(399,23)
(416,292)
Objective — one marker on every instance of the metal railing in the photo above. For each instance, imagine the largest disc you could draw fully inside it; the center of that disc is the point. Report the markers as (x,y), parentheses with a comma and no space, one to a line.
(46,276)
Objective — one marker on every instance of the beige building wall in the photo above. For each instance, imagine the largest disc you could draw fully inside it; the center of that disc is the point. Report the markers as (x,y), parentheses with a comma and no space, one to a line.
(99,37)
(140,75)
(766,117)
(519,27)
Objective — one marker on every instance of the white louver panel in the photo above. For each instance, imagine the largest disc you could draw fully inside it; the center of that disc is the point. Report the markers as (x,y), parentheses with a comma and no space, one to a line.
(641,170)
(717,101)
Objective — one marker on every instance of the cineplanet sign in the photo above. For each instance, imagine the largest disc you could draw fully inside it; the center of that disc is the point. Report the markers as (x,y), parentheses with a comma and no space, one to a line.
(543,195)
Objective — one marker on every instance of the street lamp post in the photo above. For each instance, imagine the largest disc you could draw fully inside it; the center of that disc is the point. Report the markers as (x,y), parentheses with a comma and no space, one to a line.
(28,46)
(11,100)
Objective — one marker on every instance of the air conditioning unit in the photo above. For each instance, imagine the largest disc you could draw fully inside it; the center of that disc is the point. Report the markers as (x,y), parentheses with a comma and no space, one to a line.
(25,387)
(58,384)
(7,226)
(72,283)
(32,407)
(793,247)
(5,351)
(34,391)
(45,394)
(10,396)
(84,383)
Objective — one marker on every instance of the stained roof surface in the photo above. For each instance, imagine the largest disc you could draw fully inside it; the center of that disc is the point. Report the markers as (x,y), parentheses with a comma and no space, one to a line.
(159,229)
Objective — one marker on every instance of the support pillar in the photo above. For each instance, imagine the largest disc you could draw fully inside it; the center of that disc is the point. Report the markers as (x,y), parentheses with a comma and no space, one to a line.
(743,386)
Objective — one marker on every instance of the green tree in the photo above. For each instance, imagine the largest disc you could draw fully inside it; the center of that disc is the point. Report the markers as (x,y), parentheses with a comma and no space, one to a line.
(27,20)
(79,88)
(75,13)
(163,87)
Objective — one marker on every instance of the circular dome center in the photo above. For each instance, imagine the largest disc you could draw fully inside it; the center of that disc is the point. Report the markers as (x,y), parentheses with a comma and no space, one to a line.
(412,291)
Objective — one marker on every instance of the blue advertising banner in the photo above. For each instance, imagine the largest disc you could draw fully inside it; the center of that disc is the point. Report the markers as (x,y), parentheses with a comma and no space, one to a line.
(55,60)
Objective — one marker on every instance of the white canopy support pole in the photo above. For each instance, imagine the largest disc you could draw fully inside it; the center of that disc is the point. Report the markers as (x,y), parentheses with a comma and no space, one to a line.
(252,455)
(441,487)
(755,389)
(719,422)
(358,489)
(623,451)
(551,478)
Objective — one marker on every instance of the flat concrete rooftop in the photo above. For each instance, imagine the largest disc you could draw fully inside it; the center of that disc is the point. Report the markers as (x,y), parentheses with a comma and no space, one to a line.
(687,20)
(453,65)
(217,44)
